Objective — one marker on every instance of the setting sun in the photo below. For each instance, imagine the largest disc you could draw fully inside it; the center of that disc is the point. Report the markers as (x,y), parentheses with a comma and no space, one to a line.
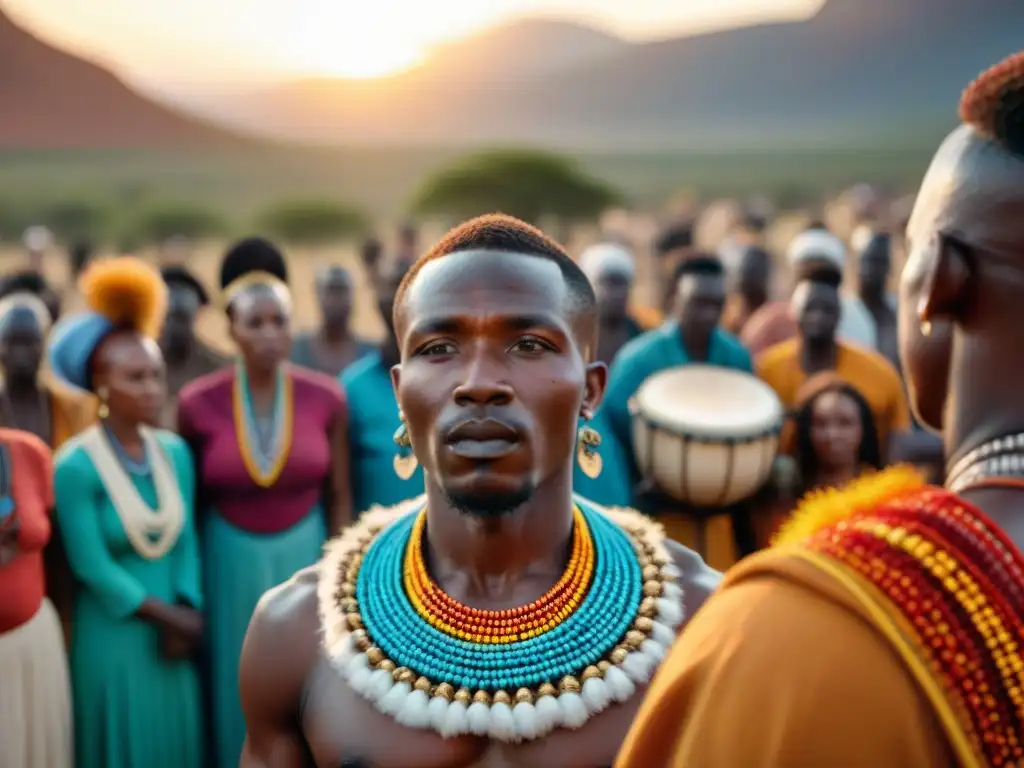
(342,39)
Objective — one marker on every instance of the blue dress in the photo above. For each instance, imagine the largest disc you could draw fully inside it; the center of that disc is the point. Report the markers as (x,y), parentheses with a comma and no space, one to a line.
(133,707)
(372,421)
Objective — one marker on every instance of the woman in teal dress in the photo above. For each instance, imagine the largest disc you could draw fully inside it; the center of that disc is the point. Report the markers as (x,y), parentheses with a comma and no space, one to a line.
(124,502)
(269,440)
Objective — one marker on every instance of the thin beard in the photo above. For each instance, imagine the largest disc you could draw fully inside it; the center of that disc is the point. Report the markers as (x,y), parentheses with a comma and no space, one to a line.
(488,506)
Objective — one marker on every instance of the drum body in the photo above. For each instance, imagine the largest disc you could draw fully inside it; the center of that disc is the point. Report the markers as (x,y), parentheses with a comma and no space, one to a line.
(706,436)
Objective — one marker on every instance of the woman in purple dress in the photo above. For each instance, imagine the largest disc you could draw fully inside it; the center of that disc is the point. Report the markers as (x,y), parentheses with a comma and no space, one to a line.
(270,499)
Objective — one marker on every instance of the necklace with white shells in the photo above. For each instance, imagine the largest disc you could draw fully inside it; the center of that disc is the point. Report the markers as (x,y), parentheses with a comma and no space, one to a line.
(515,675)
(152,532)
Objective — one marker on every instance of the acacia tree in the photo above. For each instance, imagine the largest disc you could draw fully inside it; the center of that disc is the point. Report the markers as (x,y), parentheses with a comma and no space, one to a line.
(529,184)
(313,222)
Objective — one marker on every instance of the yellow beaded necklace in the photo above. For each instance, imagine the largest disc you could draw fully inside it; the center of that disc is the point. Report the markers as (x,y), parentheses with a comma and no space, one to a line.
(499,627)
(244,429)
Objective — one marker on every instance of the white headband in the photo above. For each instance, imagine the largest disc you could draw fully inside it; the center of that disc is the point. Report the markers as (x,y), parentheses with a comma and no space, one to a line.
(817,244)
(26,300)
(607,258)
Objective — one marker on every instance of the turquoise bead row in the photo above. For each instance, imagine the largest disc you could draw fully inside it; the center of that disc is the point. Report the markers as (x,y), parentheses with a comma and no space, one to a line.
(584,638)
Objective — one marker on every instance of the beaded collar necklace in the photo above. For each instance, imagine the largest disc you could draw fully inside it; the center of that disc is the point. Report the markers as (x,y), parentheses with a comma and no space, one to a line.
(997,462)
(264,455)
(432,663)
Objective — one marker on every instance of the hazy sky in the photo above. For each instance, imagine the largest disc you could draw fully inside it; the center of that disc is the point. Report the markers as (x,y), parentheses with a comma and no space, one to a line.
(183,40)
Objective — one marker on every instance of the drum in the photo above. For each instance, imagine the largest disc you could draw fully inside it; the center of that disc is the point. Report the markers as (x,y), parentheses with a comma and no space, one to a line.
(706,436)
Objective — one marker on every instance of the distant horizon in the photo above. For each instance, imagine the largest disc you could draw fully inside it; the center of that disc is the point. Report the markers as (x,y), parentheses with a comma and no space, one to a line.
(193,43)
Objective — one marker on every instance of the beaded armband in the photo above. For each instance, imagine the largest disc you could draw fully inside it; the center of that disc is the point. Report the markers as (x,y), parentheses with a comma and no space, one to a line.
(956,585)
(432,663)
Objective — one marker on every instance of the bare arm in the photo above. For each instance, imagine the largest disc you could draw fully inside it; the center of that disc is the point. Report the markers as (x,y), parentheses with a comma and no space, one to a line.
(339,513)
(278,653)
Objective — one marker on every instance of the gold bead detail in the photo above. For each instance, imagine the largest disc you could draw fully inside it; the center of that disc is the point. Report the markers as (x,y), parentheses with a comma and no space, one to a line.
(524,696)
(348,589)
(502,697)
(445,691)
(618,655)
(634,638)
(546,689)
(422,684)
(648,606)
(403,675)
(651,572)
(569,684)
(387,665)
(644,624)
(375,655)
(590,672)
(481,697)
(604,666)
(463,695)
(348,605)
(354,620)
(652,588)
(361,639)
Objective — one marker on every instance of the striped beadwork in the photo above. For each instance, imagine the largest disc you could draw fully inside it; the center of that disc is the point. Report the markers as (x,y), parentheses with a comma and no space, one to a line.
(959,583)
(579,640)
(514,675)
(499,627)
(264,467)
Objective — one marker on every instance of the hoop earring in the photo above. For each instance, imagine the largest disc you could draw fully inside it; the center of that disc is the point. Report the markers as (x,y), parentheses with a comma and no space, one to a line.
(587,443)
(104,410)
(405,460)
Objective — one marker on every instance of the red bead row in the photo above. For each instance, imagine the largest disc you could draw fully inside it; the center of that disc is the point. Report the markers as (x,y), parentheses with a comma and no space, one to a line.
(554,606)
(961,654)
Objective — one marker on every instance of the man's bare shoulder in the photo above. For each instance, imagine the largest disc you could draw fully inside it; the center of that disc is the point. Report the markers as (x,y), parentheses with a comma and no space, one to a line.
(284,628)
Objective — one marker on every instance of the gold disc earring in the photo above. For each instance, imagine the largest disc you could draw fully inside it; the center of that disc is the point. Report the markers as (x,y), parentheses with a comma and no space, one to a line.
(104,410)
(586,451)
(405,460)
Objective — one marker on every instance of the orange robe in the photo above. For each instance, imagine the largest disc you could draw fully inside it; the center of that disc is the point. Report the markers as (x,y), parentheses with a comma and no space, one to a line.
(864,369)
(846,645)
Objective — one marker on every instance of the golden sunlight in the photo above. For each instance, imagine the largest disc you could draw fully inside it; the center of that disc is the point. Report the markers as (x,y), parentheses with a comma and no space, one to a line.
(375,38)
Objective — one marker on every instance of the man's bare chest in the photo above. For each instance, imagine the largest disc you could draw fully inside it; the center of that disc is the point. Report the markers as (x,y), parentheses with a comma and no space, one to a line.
(342,729)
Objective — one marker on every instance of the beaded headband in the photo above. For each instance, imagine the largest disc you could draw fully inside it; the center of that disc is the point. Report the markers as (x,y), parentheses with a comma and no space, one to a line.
(250,280)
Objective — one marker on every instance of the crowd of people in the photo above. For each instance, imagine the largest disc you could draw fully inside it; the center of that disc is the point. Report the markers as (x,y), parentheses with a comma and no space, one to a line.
(447,548)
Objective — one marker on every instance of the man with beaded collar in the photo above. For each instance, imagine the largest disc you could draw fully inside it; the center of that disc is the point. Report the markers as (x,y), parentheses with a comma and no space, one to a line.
(498,620)
(887,625)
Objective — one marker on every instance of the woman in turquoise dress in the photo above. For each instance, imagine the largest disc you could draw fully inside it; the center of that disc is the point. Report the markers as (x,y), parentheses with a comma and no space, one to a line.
(124,505)
(268,500)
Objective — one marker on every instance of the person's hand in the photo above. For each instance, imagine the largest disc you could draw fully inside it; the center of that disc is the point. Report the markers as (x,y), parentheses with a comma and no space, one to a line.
(9,543)
(186,621)
(181,634)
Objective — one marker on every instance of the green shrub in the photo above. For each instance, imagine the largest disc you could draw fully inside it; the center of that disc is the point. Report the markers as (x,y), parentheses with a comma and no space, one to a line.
(160,222)
(311,222)
(529,184)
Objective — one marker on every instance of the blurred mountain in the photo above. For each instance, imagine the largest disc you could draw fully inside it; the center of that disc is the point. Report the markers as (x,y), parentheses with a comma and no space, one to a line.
(53,100)
(857,69)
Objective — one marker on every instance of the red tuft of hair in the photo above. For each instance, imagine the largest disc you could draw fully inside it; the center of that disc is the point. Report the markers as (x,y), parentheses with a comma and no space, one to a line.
(994,103)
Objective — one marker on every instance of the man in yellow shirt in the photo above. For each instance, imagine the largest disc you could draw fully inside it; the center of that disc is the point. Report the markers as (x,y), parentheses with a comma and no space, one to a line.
(785,367)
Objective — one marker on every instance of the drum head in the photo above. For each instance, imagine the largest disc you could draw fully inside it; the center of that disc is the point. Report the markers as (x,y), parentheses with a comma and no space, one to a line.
(711,402)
